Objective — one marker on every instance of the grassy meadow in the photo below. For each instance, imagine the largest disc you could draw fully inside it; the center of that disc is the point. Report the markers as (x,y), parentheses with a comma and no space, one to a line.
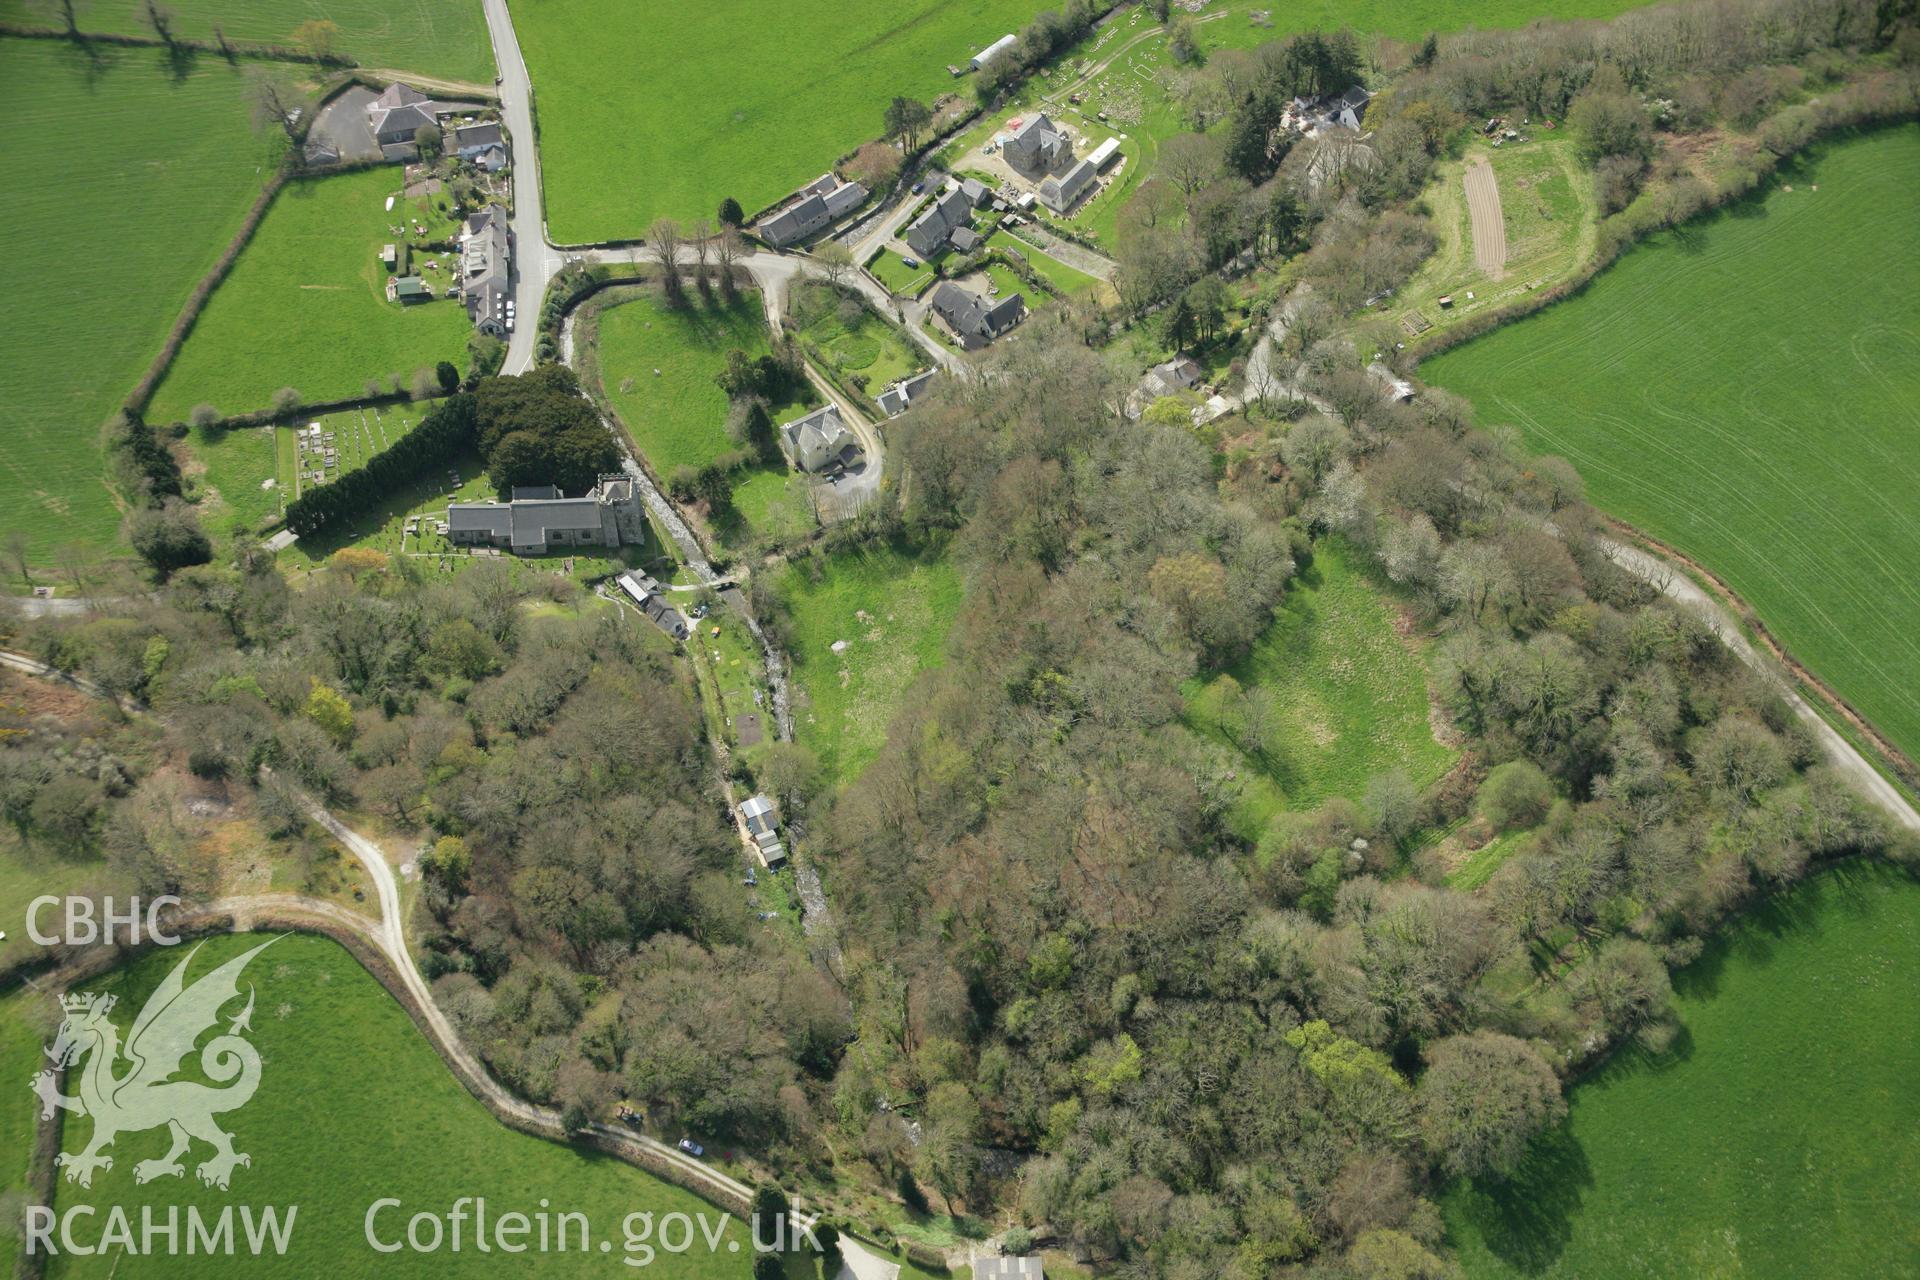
(1779,1137)
(351,1098)
(642,117)
(657,366)
(1547,204)
(1748,390)
(893,608)
(1330,696)
(445,38)
(305,306)
(126,177)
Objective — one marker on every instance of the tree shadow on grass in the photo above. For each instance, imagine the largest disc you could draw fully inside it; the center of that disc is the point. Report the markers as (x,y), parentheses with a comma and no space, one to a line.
(1795,910)
(1526,1219)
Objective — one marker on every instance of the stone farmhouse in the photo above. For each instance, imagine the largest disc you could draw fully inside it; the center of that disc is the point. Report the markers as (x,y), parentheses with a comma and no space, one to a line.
(1038,149)
(934,229)
(538,519)
(820,203)
(1062,193)
(645,592)
(486,270)
(819,442)
(482,145)
(971,319)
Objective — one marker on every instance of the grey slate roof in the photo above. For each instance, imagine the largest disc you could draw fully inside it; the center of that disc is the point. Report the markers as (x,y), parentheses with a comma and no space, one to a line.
(477,135)
(1059,194)
(997,1268)
(899,397)
(492,518)
(970,315)
(817,440)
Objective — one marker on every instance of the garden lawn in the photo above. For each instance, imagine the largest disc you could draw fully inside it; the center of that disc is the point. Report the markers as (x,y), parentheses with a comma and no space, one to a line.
(305,306)
(1780,1137)
(124,183)
(354,1106)
(1749,391)
(1336,695)
(1125,70)
(892,271)
(648,112)
(1055,272)
(446,38)
(847,700)
(869,347)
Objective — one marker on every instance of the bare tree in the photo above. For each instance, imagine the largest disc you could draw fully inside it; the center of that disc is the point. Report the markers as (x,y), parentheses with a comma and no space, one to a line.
(17,554)
(834,261)
(68,12)
(1189,160)
(275,102)
(726,252)
(700,232)
(666,236)
(160,18)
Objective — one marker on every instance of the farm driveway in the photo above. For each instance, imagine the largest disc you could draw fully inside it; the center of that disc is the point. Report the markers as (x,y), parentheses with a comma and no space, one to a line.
(343,123)
(1489,225)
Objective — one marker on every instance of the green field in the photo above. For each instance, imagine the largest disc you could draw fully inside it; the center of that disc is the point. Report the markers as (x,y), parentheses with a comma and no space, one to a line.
(1548,207)
(19,1060)
(657,365)
(1780,1137)
(1749,391)
(305,306)
(124,183)
(1331,696)
(445,38)
(639,121)
(847,699)
(354,1106)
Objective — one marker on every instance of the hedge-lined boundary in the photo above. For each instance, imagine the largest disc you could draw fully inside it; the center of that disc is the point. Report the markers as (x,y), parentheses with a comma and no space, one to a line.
(450,429)
(230,49)
(1864,104)
(142,393)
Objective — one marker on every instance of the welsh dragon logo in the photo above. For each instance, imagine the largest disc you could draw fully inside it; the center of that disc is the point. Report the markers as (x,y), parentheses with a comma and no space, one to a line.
(130,1089)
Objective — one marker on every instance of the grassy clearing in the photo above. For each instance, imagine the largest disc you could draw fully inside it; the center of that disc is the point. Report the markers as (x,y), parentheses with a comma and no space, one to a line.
(855,341)
(1780,1137)
(637,122)
(350,1096)
(893,608)
(1336,697)
(891,270)
(431,37)
(306,307)
(124,183)
(1125,70)
(657,367)
(1052,270)
(1747,392)
(1546,201)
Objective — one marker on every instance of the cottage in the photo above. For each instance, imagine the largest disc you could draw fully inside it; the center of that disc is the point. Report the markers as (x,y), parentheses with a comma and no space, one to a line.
(610,515)
(396,116)
(645,591)
(1062,193)
(933,229)
(821,202)
(899,397)
(486,269)
(1003,45)
(970,319)
(819,442)
(1182,373)
(976,192)
(1038,147)
(965,239)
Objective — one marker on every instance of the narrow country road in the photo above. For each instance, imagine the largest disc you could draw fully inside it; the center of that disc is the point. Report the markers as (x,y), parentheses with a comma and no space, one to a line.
(534,259)
(1840,753)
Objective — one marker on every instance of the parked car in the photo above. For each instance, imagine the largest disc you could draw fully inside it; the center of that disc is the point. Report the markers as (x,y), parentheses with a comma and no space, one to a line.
(911,264)
(691,1147)
(919,186)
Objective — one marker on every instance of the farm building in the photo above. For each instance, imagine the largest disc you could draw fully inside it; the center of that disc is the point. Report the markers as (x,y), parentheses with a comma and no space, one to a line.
(899,397)
(610,515)
(819,441)
(970,319)
(1397,387)
(762,823)
(1003,45)
(1102,156)
(408,289)
(820,203)
(1062,193)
